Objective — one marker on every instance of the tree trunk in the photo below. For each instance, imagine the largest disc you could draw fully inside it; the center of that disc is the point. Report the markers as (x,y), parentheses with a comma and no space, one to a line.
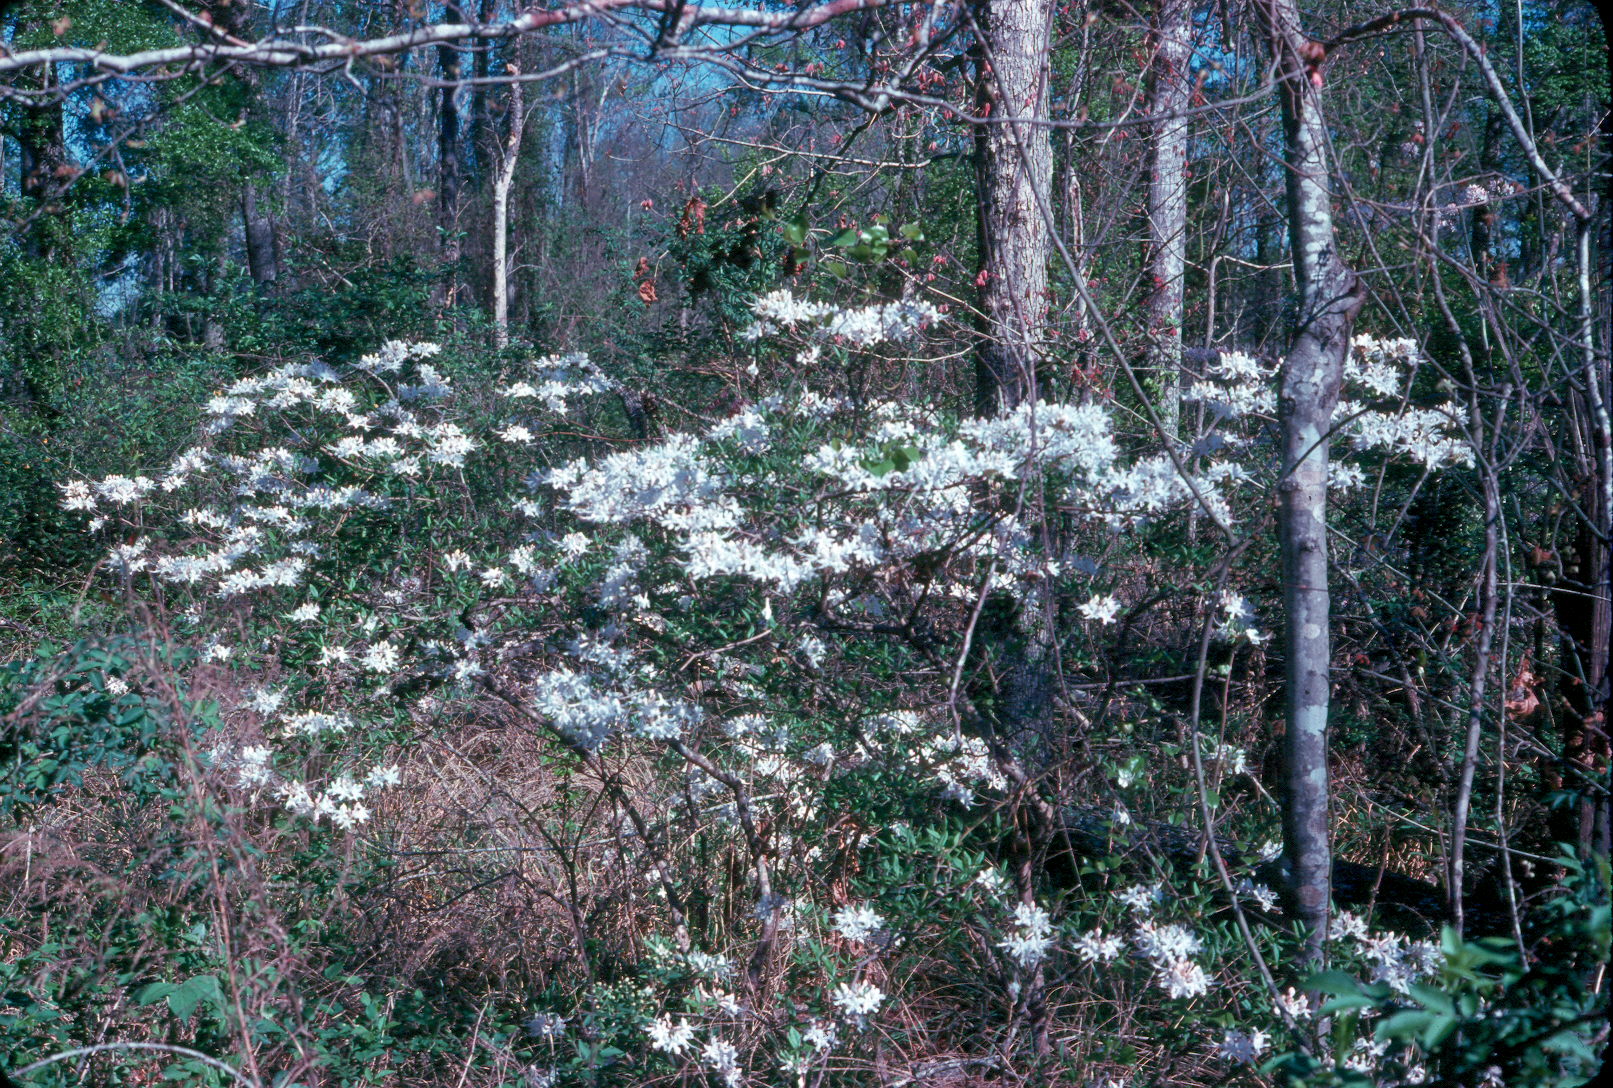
(1583,602)
(1330,296)
(501,217)
(213,285)
(481,140)
(1014,171)
(41,166)
(1014,179)
(1014,174)
(449,165)
(261,259)
(1167,204)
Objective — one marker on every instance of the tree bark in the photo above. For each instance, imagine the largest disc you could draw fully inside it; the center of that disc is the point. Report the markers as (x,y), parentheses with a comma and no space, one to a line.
(1014,174)
(1167,203)
(262,261)
(1583,602)
(1014,180)
(1014,171)
(480,139)
(1330,297)
(41,164)
(1488,594)
(501,218)
(450,167)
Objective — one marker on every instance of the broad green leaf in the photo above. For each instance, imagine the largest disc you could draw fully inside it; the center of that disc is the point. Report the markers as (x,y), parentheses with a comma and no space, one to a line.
(1431,998)
(1404,1024)
(1333,982)
(192,992)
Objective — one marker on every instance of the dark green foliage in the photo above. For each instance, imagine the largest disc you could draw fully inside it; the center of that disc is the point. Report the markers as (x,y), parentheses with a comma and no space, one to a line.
(1493,1013)
(46,325)
(89,708)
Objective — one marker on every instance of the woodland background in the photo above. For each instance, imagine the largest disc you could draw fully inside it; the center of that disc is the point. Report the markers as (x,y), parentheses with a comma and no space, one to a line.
(1102,201)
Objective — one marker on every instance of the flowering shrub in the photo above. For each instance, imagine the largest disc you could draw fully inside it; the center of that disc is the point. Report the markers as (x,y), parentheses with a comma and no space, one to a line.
(745,648)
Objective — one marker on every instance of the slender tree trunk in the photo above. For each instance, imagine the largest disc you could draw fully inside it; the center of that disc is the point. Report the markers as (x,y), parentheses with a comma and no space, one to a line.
(212,327)
(501,217)
(481,140)
(450,167)
(1589,745)
(1583,602)
(1330,296)
(1167,203)
(1488,594)
(1081,325)
(1014,167)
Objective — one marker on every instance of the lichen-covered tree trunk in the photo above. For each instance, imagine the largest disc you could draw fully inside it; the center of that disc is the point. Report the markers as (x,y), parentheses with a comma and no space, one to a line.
(1014,168)
(501,215)
(1330,296)
(1167,202)
(1014,179)
(1014,175)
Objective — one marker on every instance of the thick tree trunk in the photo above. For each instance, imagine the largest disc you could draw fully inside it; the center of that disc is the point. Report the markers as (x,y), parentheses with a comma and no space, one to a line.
(1167,203)
(262,261)
(1330,296)
(1014,168)
(1014,175)
(42,164)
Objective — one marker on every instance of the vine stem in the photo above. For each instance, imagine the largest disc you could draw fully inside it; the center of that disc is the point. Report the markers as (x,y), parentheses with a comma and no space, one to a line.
(166,1048)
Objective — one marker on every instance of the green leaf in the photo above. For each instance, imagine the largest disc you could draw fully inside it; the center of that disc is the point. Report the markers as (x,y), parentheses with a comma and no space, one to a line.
(1450,941)
(1437,1031)
(153,992)
(847,237)
(192,992)
(1431,998)
(1333,982)
(1569,1042)
(1346,1001)
(1404,1024)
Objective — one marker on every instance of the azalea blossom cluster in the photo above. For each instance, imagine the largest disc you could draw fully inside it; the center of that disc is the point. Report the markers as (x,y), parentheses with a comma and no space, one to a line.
(1373,413)
(912,487)
(1474,194)
(1031,936)
(859,326)
(252,514)
(341,798)
(1168,948)
(1390,957)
